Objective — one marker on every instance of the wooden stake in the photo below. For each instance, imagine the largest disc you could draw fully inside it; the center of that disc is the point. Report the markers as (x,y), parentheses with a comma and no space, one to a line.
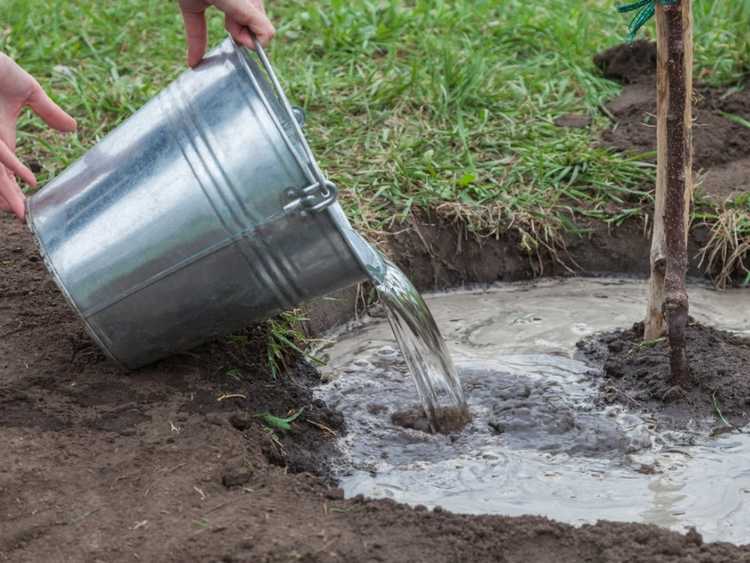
(654,325)
(668,299)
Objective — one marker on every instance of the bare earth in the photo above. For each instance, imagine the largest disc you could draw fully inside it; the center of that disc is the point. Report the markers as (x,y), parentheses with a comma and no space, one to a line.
(99,464)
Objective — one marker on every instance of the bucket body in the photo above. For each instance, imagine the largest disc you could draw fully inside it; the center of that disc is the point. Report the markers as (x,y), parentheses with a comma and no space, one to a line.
(202,212)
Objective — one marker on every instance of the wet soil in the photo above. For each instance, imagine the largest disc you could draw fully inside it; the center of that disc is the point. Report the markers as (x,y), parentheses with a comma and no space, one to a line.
(722,146)
(171,463)
(637,374)
(448,420)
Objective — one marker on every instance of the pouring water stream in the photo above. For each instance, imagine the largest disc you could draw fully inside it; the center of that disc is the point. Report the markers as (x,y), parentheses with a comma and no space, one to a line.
(423,348)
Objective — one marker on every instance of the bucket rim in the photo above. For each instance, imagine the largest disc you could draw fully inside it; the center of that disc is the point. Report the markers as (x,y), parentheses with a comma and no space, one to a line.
(366,256)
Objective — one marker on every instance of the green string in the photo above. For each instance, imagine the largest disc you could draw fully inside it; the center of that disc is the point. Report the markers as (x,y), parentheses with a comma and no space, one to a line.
(645,11)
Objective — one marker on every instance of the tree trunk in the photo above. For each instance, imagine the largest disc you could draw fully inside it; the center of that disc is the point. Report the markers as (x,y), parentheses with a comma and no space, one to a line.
(668,300)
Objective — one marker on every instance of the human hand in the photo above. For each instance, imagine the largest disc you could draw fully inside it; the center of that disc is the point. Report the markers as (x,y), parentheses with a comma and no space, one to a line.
(19,89)
(242,19)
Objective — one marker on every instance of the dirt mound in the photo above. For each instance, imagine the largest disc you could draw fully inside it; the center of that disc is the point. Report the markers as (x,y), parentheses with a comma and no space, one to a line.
(722,142)
(629,62)
(636,373)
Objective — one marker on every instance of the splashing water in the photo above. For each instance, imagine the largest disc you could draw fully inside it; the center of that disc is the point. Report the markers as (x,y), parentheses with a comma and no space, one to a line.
(424,350)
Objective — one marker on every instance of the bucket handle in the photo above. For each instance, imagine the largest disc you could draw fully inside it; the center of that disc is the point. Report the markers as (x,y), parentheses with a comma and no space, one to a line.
(326,189)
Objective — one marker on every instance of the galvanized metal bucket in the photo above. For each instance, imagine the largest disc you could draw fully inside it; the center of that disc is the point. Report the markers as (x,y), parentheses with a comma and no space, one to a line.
(202,212)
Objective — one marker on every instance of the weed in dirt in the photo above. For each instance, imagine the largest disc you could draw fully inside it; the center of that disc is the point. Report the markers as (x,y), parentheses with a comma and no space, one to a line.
(287,342)
(650,343)
(234,373)
(739,120)
(717,409)
(278,423)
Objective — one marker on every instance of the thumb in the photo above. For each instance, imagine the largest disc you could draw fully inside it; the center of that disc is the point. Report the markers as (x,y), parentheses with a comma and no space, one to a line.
(250,16)
(197,36)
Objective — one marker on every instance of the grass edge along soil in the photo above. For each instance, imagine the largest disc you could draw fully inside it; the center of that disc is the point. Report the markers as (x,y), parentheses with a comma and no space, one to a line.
(401,119)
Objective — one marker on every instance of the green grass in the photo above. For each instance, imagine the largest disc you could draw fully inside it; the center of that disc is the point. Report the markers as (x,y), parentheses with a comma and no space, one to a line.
(420,104)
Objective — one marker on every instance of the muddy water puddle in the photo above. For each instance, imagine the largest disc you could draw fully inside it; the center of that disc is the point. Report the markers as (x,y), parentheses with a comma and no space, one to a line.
(537,444)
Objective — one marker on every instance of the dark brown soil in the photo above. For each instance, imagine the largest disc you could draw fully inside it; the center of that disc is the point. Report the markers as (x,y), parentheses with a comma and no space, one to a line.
(439,254)
(637,374)
(628,62)
(722,147)
(574,121)
(170,464)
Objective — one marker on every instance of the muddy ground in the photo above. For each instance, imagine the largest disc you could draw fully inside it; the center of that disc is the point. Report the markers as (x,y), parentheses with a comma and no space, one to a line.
(102,465)
(636,374)
(172,463)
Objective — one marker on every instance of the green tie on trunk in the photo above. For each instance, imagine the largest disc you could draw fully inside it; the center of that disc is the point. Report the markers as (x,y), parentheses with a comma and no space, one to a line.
(645,11)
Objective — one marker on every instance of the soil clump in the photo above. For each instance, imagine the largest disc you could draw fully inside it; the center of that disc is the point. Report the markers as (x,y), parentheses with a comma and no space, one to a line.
(448,420)
(636,374)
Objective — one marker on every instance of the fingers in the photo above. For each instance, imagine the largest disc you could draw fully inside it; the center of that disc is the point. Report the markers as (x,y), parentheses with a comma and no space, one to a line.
(239,32)
(247,14)
(49,111)
(197,35)
(11,196)
(11,162)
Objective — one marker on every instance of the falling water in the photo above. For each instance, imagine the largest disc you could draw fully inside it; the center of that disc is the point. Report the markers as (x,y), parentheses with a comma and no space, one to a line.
(424,350)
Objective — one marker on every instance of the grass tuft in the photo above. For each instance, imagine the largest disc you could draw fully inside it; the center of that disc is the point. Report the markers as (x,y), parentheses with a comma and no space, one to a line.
(726,255)
(287,342)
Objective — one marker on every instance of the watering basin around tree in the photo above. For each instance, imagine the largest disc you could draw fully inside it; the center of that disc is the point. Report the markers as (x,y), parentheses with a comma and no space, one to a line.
(538,443)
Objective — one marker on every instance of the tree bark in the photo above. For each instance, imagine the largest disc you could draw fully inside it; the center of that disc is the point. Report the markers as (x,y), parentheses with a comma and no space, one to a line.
(668,299)
(655,323)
